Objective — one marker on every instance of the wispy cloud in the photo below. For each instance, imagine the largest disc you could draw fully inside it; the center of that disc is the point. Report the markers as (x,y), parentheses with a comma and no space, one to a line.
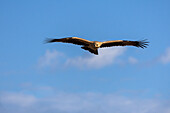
(17,99)
(165,57)
(132,60)
(49,59)
(107,57)
(30,86)
(80,103)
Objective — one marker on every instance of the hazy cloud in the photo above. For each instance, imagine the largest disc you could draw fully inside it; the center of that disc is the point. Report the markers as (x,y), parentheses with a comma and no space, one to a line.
(30,86)
(80,103)
(106,57)
(132,60)
(165,58)
(49,59)
(17,99)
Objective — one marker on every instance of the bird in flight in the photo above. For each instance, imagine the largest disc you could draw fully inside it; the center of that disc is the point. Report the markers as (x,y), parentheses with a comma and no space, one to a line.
(92,46)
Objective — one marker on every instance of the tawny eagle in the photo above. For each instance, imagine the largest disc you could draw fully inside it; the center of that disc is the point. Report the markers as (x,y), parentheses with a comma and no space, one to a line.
(92,46)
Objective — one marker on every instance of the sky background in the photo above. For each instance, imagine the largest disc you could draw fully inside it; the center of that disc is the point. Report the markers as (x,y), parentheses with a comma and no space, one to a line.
(62,78)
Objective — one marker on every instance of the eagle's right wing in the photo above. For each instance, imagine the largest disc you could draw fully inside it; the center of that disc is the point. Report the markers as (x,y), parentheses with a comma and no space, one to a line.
(74,40)
(143,43)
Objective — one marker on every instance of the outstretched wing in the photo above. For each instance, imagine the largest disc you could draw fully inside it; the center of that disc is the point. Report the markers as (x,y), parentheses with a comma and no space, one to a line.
(74,40)
(143,43)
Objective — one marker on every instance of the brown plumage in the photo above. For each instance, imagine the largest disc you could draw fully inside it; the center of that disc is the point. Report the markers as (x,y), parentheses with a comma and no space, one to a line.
(92,46)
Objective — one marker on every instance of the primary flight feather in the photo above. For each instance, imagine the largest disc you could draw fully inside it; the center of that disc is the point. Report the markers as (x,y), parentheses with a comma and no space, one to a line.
(92,46)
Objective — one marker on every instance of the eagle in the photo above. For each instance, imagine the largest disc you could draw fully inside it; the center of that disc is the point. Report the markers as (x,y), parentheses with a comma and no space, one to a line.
(92,46)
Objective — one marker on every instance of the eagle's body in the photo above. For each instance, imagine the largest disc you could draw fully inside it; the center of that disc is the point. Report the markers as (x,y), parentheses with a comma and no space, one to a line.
(92,46)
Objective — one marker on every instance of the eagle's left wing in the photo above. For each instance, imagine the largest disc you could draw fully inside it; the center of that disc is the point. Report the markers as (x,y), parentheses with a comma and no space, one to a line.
(73,40)
(143,43)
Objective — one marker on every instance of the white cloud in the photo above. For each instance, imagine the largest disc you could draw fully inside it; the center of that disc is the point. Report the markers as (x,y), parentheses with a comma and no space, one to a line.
(106,57)
(80,103)
(50,58)
(18,99)
(165,58)
(132,60)
(30,86)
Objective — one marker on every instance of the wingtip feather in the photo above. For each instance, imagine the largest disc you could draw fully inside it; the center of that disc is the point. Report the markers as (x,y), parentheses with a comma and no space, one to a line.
(143,43)
(48,40)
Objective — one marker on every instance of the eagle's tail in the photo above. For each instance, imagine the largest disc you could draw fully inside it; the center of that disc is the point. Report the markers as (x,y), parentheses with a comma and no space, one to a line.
(90,50)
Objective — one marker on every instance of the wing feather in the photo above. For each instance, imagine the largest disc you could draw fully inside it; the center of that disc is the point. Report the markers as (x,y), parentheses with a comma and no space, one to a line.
(143,43)
(74,40)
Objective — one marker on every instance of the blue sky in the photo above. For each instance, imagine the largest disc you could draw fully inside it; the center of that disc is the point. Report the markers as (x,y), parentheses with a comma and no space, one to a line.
(64,78)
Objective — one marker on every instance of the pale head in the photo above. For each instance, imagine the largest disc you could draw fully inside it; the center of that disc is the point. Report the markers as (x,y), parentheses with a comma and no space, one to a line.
(97,44)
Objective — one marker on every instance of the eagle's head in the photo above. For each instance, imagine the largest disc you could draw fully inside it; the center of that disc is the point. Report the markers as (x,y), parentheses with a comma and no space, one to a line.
(97,44)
